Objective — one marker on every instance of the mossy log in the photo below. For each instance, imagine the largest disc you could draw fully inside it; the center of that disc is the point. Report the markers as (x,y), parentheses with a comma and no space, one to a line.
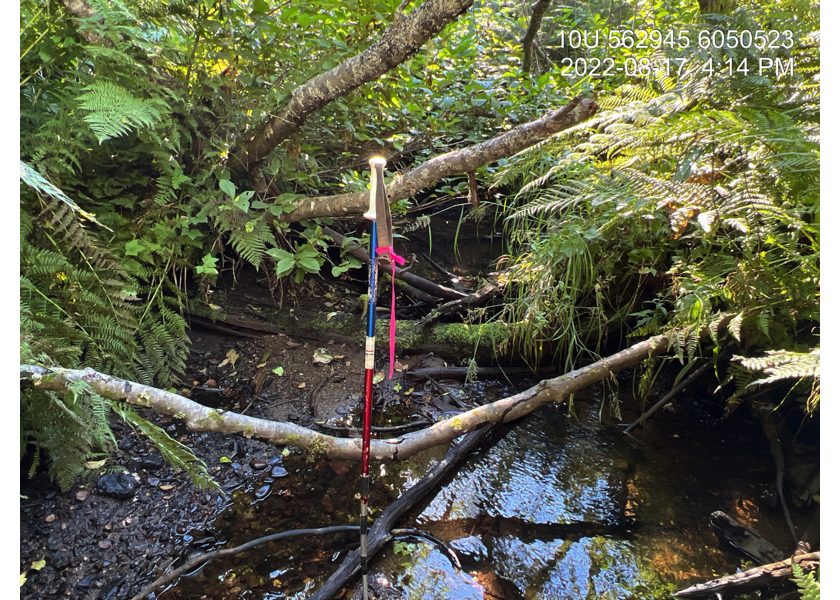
(486,343)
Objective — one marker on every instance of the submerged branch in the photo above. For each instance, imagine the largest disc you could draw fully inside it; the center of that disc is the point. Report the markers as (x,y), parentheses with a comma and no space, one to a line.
(759,577)
(380,533)
(199,559)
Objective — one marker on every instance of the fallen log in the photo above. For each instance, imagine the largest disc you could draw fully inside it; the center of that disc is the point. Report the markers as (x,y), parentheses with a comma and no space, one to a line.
(406,35)
(744,538)
(463,160)
(202,418)
(759,577)
(380,533)
(483,341)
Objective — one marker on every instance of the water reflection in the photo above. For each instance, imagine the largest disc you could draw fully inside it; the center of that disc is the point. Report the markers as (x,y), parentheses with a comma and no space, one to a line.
(549,471)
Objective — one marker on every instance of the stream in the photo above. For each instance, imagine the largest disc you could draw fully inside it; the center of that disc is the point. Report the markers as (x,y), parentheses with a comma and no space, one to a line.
(558,506)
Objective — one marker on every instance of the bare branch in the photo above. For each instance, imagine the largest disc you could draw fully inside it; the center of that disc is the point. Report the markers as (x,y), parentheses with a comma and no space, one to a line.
(446,165)
(538,9)
(201,418)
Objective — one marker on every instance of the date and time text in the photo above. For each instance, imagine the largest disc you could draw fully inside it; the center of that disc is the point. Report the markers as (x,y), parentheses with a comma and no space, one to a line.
(625,41)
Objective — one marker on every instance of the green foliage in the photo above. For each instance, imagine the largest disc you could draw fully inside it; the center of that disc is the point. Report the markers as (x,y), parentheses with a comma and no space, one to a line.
(66,429)
(175,453)
(808,583)
(115,112)
(698,195)
(784,364)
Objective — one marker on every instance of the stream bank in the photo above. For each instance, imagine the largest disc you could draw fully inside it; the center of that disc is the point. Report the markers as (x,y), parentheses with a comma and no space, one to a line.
(558,505)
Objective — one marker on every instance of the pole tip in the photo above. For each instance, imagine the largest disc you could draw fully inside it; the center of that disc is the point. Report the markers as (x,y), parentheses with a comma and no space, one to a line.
(377,160)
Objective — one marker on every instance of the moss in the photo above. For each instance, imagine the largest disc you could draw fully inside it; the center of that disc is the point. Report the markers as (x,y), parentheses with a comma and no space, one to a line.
(316,449)
(249,431)
(460,338)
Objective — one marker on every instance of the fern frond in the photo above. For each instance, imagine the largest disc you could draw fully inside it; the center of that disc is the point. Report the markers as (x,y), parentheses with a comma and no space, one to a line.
(114,111)
(783,364)
(175,453)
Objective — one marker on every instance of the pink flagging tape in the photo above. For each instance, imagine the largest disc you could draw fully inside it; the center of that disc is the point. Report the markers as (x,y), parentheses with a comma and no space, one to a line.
(394,258)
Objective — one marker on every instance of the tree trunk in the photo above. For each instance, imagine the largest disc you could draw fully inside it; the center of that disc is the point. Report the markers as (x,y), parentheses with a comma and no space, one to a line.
(539,9)
(201,418)
(405,37)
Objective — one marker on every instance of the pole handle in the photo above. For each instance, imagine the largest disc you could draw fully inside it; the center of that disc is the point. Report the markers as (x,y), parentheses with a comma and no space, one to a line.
(377,166)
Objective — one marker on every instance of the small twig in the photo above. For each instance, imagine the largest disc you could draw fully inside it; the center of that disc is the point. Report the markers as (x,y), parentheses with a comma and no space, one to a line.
(198,559)
(315,393)
(440,269)
(670,395)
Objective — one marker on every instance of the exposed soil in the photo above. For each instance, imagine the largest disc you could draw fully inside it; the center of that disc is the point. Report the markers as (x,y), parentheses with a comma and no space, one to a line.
(100,547)
(97,546)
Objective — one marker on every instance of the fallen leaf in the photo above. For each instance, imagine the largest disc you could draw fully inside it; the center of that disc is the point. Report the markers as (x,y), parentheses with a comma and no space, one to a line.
(291,344)
(278,371)
(210,383)
(379,377)
(224,459)
(398,366)
(302,385)
(38,565)
(95,464)
(50,518)
(321,356)
(82,495)
(214,306)
(233,356)
(166,488)
(331,315)
(224,363)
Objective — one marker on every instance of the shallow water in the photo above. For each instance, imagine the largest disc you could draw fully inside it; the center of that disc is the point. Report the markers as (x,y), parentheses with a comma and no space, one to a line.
(559,506)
